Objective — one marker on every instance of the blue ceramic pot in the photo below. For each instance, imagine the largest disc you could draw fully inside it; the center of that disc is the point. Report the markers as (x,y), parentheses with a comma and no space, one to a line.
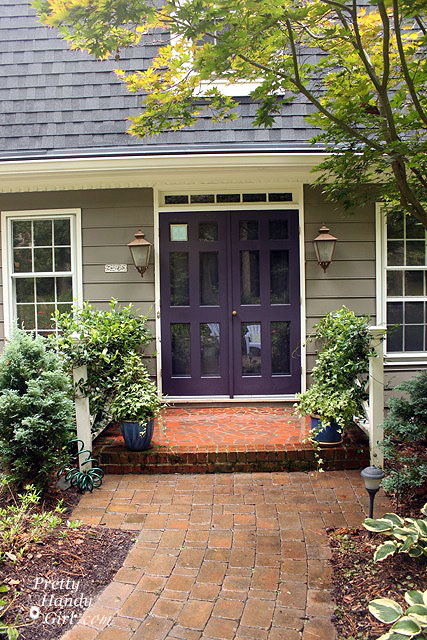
(328,436)
(137,437)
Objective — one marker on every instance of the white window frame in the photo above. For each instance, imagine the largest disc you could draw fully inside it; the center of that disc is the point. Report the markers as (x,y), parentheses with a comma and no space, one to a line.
(7,217)
(392,357)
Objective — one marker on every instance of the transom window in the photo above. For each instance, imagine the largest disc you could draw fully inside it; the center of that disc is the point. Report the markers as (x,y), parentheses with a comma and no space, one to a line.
(42,273)
(406,275)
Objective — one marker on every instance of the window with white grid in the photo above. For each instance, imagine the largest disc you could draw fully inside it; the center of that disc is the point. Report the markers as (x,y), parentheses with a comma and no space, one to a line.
(406,293)
(42,269)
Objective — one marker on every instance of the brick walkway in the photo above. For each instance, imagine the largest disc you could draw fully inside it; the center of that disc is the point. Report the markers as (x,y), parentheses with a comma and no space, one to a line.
(195,440)
(221,557)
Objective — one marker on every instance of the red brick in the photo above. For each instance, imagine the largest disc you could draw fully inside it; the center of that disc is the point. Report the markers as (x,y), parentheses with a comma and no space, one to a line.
(195,614)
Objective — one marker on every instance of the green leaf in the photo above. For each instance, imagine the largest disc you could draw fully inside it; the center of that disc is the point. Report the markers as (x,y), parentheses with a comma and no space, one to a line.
(419,612)
(424,509)
(414,597)
(378,526)
(12,633)
(407,626)
(394,518)
(3,588)
(385,610)
(385,550)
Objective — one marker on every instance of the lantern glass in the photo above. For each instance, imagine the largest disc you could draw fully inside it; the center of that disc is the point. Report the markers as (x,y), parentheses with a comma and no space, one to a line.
(324,246)
(372,477)
(140,250)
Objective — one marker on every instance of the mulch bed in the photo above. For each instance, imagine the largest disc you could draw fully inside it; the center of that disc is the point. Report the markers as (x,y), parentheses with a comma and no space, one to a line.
(357,580)
(59,577)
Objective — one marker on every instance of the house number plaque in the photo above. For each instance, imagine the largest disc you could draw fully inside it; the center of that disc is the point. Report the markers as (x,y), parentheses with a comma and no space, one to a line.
(116,268)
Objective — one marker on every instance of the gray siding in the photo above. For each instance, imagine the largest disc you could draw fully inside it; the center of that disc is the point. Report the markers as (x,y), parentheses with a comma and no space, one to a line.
(350,279)
(109,219)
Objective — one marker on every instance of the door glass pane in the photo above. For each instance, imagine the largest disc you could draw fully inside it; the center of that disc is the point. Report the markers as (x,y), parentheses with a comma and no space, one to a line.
(209,348)
(42,233)
(180,344)
(209,278)
(278,229)
(25,316)
(280,347)
(248,230)
(45,288)
(414,335)
(251,348)
(43,260)
(279,277)
(24,289)
(178,232)
(208,231)
(179,279)
(63,259)
(249,277)
(22,261)
(21,233)
(394,283)
(415,252)
(414,283)
(395,253)
(62,232)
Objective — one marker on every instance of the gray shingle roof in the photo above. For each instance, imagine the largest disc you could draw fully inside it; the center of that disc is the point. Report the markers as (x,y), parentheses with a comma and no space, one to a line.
(56,102)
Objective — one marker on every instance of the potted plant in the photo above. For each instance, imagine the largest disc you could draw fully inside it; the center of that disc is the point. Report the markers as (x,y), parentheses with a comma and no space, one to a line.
(335,398)
(135,404)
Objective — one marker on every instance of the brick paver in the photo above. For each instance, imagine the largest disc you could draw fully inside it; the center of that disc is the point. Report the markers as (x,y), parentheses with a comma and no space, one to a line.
(222,557)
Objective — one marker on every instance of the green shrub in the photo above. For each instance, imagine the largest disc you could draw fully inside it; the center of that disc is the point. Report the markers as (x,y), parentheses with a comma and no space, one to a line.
(135,394)
(405,535)
(408,624)
(106,340)
(36,410)
(340,373)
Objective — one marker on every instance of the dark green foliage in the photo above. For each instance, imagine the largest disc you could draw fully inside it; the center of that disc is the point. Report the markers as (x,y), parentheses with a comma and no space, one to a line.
(407,418)
(36,410)
(107,338)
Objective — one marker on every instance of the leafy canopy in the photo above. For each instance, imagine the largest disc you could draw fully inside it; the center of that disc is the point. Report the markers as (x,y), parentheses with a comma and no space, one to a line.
(362,68)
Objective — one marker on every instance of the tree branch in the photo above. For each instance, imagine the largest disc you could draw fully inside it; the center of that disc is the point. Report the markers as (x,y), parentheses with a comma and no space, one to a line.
(407,76)
(421,25)
(386,44)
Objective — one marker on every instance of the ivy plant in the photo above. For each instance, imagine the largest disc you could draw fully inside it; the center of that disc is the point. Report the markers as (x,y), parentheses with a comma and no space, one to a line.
(408,624)
(405,535)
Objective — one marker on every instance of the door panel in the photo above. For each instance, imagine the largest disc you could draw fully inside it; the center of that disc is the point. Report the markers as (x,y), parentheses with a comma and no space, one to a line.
(230,303)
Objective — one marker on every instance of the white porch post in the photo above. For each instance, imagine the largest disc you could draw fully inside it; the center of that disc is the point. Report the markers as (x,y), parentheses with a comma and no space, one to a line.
(82,414)
(376,397)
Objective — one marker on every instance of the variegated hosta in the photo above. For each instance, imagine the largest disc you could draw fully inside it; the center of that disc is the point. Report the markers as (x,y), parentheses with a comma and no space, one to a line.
(406,535)
(406,625)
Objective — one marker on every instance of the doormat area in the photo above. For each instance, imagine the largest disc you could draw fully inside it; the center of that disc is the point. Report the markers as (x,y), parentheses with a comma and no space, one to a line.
(209,440)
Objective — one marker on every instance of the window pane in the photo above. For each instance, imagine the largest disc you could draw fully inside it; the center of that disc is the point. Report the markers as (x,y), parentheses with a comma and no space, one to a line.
(64,289)
(414,335)
(280,347)
(45,288)
(209,348)
(176,199)
(414,229)
(395,253)
(414,281)
(249,277)
(179,279)
(279,277)
(395,312)
(415,252)
(395,283)
(209,278)
(394,338)
(248,230)
(22,260)
(43,260)
(42,233)
(414,312)
(251,348)
(25,316)
(280,197)
(64,308)
(204,198)
(180,343)
(395,225)
(278,229)
(228,197)
(254,197)
(44,316)
(63,259)
(24,289)
(21,233)
(62,233)
(178,232)
(208,231)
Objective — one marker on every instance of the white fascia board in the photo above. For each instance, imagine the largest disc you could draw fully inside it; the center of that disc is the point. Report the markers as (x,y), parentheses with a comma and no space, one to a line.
(148,171)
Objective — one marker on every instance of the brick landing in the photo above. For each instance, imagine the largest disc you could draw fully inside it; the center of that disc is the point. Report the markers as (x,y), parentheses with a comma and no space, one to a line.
(211,440)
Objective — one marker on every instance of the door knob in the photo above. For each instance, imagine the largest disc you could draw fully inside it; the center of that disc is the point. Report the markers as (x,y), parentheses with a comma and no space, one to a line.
(234,313)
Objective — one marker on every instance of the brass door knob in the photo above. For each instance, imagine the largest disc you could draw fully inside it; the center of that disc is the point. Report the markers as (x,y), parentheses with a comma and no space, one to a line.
(234,313)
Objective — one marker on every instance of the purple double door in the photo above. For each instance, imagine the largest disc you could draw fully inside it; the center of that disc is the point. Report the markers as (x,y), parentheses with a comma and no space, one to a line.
(230,303)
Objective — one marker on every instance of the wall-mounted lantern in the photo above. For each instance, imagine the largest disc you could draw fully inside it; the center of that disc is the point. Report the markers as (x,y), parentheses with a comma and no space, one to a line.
(324,246)
(140,250)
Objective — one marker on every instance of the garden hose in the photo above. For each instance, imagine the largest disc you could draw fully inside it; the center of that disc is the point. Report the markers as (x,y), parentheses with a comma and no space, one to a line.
(84,480)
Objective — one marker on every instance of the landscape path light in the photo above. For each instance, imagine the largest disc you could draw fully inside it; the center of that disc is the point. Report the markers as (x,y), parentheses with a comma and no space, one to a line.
(372,477)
